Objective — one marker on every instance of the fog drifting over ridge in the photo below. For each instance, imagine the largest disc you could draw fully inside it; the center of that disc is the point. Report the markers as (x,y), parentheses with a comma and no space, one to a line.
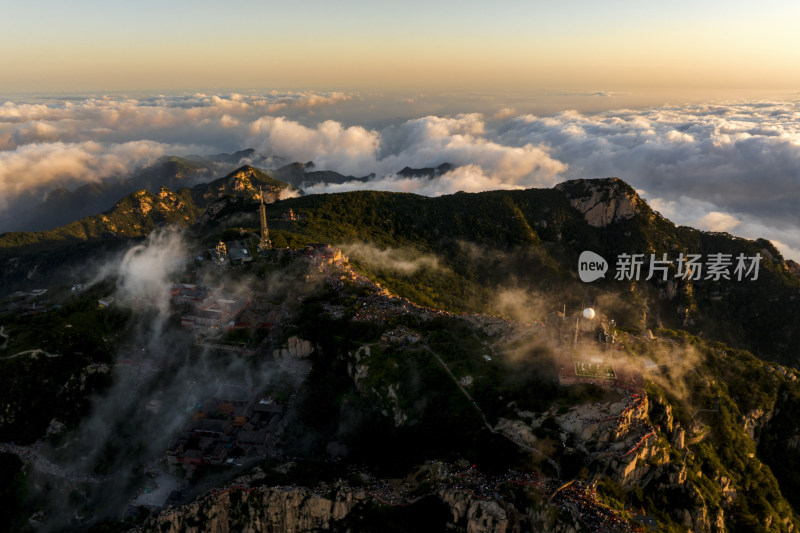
(721,167)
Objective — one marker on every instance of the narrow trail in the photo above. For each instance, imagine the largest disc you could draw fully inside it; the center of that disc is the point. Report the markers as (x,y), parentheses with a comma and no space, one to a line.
(483,416)
(34,353)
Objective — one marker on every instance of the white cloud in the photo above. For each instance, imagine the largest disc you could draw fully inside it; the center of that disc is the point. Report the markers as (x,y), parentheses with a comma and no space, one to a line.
(145,271)
(716,221)
(741,157)
(707,216)
(315,99)
(34,165)
(732,167)
(329,144)
(505,112)
(467,178)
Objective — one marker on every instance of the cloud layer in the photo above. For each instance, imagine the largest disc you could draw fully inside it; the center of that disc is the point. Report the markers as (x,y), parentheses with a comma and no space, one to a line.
(716,153)
(722,167)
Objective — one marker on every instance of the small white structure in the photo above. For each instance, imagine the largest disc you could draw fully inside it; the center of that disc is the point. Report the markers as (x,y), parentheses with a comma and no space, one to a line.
(589,313)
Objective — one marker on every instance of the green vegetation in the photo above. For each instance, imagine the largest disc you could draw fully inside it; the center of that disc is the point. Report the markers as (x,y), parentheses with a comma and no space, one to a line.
(52,365)
(529,241)
(136,215)
(520,240)
(405,408)
(439,422)
(710,401)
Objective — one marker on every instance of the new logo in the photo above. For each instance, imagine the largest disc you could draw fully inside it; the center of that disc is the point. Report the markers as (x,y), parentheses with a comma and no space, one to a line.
(591,267)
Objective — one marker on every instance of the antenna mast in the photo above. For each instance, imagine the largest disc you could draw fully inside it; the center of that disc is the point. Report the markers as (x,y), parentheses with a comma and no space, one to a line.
(265,243)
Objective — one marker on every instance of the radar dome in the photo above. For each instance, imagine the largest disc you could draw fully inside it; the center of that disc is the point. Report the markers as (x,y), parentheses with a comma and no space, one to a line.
(589,313)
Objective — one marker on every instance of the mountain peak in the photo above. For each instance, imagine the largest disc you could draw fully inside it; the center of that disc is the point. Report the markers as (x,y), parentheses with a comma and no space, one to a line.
(246,169)
(254,177)
(603,201)
(246,181)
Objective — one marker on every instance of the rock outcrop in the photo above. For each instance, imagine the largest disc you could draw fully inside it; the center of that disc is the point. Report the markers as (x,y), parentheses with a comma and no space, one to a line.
(754,420)
(247,182)
(298,510)
(295,347)
(602,202)
(474,515)
(265,510)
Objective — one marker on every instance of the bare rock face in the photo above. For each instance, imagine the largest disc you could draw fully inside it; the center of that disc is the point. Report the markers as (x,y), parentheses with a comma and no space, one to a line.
(678,438)
(755,419)
(479,516)
(793,268)
(295,347)
(261,510)
(246,181)
(602,202)
(213,210)
(397,414)
(298,510)
(677,474)
(719,522)
(661,413)
(546,519)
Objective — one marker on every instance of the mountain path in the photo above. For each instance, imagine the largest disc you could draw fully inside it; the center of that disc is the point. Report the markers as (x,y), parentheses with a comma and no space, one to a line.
(483,416)
(34,353)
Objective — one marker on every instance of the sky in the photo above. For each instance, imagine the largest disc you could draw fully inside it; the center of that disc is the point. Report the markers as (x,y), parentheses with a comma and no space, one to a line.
(696,104)
(617,45)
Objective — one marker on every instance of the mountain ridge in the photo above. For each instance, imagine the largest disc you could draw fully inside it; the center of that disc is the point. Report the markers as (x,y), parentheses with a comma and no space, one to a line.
(533,237)
(389,376)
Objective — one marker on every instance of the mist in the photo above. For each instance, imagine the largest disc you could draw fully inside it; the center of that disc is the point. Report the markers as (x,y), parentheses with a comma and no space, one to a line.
(160,376)
(402,261)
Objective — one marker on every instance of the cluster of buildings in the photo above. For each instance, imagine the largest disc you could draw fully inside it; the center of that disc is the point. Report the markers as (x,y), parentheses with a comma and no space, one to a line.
(586,342)
(587,345)
(401,335)
(233,253)
(378,307)
(324,254)
(215,312)
(235,422)
(188,295)
(210,311)
(220,310)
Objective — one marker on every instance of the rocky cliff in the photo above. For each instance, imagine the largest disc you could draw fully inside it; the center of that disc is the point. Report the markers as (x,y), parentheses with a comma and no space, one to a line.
(299,509)
(602,202)
(294,347)
(340,507)
(265,509)
(247,182)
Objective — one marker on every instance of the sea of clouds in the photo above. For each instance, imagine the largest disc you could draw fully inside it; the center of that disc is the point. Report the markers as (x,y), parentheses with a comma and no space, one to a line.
(724,167)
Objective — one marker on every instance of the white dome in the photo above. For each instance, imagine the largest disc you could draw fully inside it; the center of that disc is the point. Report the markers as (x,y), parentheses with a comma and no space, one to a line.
(589,313)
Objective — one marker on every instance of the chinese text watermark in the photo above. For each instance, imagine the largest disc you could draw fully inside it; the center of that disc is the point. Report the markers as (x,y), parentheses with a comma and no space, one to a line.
(713,267)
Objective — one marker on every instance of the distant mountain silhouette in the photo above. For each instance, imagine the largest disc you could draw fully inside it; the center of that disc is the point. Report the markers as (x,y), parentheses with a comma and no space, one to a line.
(427,172)
(303,175)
